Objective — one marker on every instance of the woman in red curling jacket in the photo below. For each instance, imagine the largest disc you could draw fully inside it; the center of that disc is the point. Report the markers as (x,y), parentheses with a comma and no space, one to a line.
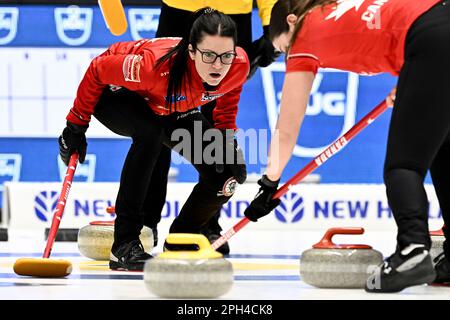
(150,90)
(405,38)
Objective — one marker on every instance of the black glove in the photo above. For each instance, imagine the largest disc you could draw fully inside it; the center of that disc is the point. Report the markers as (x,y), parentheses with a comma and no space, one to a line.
(73,138)
(233,157)
(263,203)
(262,53)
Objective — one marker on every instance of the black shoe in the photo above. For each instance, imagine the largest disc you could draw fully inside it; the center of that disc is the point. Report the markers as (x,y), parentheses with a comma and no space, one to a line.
(442,268)
(212,232)
(409,267)
(129,256)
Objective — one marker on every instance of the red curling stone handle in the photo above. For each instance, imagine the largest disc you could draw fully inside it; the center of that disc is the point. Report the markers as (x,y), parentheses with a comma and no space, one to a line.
(327,242)
(438,233)
(102,223)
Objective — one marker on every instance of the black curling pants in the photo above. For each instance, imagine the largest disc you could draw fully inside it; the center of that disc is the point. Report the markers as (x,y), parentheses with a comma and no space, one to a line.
(127,114)
(419,133)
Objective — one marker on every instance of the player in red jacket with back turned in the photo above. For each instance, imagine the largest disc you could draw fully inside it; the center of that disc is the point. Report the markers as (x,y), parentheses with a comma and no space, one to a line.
(150,90)
(405,38)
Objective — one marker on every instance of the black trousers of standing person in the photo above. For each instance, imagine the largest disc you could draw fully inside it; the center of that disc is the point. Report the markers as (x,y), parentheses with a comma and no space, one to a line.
(419,133)
(126,113)
(172,23)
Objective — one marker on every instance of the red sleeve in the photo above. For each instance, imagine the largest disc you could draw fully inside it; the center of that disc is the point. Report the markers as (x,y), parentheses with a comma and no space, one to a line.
(299,62)
(118,69)
(225,112)
(302,56)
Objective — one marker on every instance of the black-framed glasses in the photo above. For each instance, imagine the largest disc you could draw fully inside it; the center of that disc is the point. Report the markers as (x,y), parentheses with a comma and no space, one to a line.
(210,57)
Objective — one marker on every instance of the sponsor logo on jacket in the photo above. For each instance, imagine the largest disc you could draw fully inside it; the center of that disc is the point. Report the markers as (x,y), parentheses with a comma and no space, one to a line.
(131,68)
(206,96)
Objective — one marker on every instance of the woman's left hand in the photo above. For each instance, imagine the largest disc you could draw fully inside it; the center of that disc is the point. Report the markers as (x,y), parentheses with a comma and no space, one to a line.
(263,203)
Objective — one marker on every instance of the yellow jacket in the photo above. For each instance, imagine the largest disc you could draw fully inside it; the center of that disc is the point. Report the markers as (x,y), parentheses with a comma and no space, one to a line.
(226,6)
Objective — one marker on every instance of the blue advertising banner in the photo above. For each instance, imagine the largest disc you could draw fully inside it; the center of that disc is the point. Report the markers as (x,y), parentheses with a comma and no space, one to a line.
(338,101)
(71,26)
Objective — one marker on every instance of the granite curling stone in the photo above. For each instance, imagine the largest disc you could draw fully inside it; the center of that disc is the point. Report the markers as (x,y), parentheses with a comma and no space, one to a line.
(330,265)
(189,274)
(95,240)
(437,242)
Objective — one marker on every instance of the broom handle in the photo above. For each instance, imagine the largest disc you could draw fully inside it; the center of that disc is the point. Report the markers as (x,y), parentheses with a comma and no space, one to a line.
(57,216)
(339,144)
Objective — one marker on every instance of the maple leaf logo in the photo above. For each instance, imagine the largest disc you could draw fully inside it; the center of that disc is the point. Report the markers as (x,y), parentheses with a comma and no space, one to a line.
(343,6)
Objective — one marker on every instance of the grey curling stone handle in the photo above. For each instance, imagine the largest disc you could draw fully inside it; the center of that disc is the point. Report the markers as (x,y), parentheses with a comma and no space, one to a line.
(438,233)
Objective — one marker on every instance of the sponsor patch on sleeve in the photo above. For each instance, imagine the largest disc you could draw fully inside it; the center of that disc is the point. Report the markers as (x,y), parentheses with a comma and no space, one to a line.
(131,68)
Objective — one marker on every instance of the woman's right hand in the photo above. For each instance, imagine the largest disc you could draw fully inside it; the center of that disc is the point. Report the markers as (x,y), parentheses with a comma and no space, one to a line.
(73,138)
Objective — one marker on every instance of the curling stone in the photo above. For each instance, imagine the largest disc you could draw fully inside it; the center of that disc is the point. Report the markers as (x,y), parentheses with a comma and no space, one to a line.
(437,243)
(189,274)
(330,265)
(95,240)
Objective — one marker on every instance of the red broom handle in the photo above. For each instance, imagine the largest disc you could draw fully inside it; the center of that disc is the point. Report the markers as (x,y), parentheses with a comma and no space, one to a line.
(57,216)
(334,148)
